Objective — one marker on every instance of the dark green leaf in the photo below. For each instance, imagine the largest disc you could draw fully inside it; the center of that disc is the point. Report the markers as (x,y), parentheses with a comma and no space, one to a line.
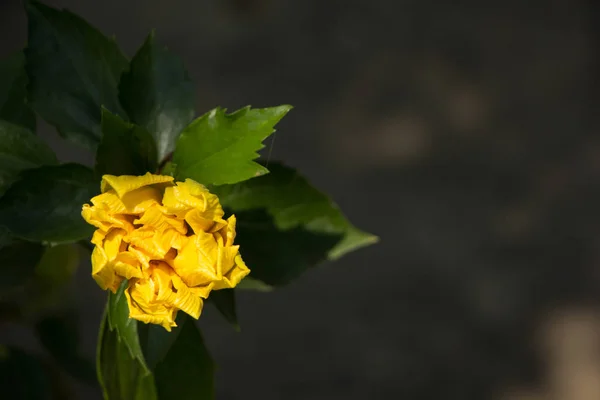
(23,376)
(293,202)
(158,94)
(218,148)
(58,265)
(125,149)
(20,150)
(275,256)
(126,328)
(156,341)
(73,70)
(224,301)
(59,335)
(120,375)
(187,371)
(45,205)
(18,260)
(13,92)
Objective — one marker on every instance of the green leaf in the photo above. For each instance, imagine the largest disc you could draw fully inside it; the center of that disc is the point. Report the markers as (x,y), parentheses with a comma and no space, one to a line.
(23,376)
(20,150)
(73,70)
(168,169)
(156,341)
(45,205)
(187,371)
(293,202)
(125,149)
(121,376)
(249,283)
(60,336)
(158,94)
(13,92)
(58,265)
(218,148)
(224,301)
(278,256)
(125,327)
(18,260)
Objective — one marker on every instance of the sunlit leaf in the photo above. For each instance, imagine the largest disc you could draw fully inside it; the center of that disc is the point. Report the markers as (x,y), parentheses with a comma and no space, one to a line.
(219,148)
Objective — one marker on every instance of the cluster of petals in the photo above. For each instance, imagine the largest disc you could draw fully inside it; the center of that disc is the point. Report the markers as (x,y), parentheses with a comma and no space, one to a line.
(167,239)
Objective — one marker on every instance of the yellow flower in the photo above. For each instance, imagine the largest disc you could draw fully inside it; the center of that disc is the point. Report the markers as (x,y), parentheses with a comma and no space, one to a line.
(168,239)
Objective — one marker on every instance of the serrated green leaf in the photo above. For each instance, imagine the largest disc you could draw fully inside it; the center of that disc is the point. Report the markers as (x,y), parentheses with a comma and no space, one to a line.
(224,301)
(125,327)
(13,92)
(73,70)
(125,149)
(219,148)
(187,371)
(60,336)
(45,204)
(120,375)
(20,150)
(158,94)
(293,202)
(277,256)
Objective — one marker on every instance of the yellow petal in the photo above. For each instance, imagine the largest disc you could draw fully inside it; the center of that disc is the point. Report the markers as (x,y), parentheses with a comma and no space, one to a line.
(139,296)
(98,237)
(127,183)
(171,202)
(173,291)
(155,217)
(134,202)
(168,239)
(234,276)
(102,273)
(188,195)
(203,221)
(186,300)
(230,230)
(227,258)
(127,265)
(202,291)
(113,243)
(143,239)
(196,263)
(104,220)
(226,235)
(191,194)
(143,257)
(109,201)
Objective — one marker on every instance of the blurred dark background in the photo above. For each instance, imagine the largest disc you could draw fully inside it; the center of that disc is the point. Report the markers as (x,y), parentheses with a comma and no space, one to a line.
(464,134)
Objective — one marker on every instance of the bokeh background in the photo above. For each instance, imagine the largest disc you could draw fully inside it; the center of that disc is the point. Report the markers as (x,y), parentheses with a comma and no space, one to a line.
(464,134)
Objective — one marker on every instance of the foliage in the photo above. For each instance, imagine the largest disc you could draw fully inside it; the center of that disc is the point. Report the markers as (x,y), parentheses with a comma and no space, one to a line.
(138,115)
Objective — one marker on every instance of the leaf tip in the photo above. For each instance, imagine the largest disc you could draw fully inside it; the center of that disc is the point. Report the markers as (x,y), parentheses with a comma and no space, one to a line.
(261,172)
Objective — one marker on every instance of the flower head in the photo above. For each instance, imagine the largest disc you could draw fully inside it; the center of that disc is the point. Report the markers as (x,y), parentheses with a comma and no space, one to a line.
(168,239)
